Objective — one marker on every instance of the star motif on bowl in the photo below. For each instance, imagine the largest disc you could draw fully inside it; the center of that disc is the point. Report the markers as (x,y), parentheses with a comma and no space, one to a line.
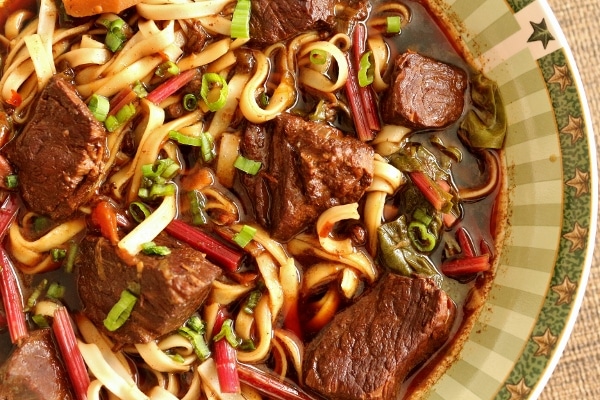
(565,291)
(540,32)
(561,76)
(519,391)
(545,342)
(577,237)
(574,128)
(581,182)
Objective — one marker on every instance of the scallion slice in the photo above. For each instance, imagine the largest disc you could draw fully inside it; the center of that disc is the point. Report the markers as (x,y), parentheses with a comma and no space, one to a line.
(318,56)
(58,254)
(99,106)
(167,69)
(393,24)
(365,72)
(197,340)
(240,21)
(12,181)
(120,312)
(212,82)
(248,166)
(139,211)
(228,333)
(190,102)
(244,236)
(185,139)
(140,89)
(197,204)
(115,37)
(56,291)
(207,147)
(151,248)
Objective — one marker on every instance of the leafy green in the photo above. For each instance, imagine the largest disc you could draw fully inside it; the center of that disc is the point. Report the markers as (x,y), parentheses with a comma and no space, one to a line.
(485,125)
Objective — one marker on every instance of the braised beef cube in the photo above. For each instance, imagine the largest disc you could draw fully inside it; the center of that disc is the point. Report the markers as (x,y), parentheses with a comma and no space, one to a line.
(369,348)
(311,167)
(170,287)
(35,371)
(275,21)
(424,93)
(61,153)
(196,37)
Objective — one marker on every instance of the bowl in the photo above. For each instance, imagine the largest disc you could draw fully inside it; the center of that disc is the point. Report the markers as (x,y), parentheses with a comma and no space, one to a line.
(552,208)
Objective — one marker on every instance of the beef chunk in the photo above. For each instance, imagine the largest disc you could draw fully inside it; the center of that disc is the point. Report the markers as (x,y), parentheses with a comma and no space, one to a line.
(369,348)
(424,93)
(274,21)
(171,287)
(61,153)
(35,371)
(196,37)
(308,167)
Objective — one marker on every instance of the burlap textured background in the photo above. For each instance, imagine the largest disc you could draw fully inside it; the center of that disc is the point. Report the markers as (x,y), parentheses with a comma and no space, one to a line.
(577,375)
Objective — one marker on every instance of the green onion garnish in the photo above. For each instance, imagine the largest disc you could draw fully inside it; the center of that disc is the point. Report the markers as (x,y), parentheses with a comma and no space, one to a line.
(207,147)
(55,291)
(40,321)
(244,236)
(228,333)
(58,254)
(252,301)
(394,24)
(365,71)
(240,21)
(37,292)
(12,181)
(248,166)
(190,102)
(115,37)
(99,106)
(120,312)
(185,139)
(197,204)
(151,248)
(139,211)
(318,56)
(197,340)
(140,89)
(71,255)
(113,122)
(168,68)
(212,82)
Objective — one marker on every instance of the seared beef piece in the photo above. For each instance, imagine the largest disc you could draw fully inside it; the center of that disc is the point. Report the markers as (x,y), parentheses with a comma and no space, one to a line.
(368,349)
(35,371)
(61,153)
(424,93)
(196,37)
(171,287)
(274,21)
(308,167)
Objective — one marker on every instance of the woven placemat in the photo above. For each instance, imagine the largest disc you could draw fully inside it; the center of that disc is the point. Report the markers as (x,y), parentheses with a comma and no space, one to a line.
(577,375)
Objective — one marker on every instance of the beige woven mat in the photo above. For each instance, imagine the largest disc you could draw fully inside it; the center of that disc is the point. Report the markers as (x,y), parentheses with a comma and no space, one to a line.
(577,375)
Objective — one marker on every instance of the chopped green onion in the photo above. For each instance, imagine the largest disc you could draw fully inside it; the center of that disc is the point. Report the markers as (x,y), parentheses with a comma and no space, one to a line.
(41,224)
(178,358)
(228,333)
(195,323)
(168,68)
(365,71)
(115,37)
(71,255)
(35,295)
(421,237)
(248,166)
(12,181)
(140,89)
(120,312)
(99,106)
(139,211)
(207,147)
(55,291)
(111,123)
(197,204)
(252,302)
(394,24)
(165,168)
(58,254)
(264,99)
(240,21)
(318,56)
(247,345)
(197,340)
(185,139)
(150,248)
(244,236)
(210,82)
(40,321)
(190,102)
(157,190)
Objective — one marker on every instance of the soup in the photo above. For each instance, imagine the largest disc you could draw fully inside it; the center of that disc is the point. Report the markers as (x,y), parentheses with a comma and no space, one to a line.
(202,203)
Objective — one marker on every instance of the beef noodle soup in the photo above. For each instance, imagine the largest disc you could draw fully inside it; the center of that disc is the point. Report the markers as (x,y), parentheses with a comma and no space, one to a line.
(241,199)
